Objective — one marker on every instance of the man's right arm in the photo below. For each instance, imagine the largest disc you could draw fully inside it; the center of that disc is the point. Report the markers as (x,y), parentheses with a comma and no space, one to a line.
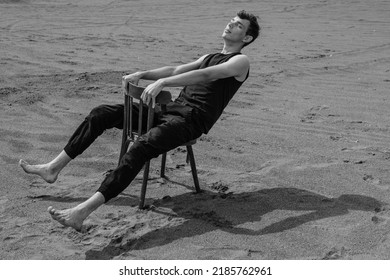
(163,72)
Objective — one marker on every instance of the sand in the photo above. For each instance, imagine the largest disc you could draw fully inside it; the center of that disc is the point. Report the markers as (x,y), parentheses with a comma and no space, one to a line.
(296,168)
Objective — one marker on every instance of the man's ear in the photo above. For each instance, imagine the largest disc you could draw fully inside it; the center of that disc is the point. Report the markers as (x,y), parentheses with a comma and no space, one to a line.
(247,39)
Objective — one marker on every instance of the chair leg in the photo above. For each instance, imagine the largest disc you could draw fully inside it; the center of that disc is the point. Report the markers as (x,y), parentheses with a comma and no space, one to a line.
(144,185)
(124,145)
(163,163)
(193,168)
(124,148)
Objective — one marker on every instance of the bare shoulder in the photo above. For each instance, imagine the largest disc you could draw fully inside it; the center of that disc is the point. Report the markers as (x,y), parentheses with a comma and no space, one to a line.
(240,58)
(241,64)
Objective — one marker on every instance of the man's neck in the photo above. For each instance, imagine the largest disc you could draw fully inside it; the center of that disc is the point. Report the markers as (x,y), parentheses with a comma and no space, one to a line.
(227,49)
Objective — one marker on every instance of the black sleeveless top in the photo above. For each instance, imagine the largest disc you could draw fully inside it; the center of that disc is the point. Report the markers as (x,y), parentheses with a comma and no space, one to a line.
(210,99)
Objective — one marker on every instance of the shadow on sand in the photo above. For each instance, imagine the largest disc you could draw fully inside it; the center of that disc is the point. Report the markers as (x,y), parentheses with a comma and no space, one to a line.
(228,211)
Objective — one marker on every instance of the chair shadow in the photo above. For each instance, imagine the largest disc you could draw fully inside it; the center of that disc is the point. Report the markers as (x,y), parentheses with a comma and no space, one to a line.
(228,211)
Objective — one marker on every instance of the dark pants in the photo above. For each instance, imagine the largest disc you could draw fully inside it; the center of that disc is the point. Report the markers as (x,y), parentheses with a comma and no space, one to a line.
(178,125)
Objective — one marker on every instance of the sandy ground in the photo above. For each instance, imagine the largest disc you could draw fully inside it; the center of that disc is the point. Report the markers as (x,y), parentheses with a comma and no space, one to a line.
(296,168)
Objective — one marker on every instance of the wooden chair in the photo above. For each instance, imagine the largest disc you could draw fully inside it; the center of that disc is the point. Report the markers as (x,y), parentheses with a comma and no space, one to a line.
(133,93)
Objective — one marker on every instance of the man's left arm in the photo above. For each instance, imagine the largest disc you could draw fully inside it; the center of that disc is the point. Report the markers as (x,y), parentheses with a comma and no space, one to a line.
(237,67)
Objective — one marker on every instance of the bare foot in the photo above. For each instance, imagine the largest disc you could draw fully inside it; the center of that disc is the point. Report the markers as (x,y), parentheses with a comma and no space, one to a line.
(43,170)
(74,217)
(68,217)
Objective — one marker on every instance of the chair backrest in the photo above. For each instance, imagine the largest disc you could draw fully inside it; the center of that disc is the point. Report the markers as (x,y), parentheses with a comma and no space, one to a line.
(135,91)
(132,91)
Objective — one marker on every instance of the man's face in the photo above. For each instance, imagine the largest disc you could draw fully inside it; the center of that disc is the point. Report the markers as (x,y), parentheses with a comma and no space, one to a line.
(236,29)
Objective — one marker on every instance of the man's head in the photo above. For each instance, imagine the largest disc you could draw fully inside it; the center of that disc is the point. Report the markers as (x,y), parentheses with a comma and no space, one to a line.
(253,28)
(242,29)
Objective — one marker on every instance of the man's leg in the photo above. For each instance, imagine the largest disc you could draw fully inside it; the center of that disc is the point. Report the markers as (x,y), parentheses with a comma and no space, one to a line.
(171,132)
(99,119)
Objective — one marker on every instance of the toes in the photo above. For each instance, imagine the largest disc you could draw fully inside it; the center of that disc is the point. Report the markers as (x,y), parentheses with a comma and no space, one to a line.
(56,215)
(22,163)
(64,217)
(51,210)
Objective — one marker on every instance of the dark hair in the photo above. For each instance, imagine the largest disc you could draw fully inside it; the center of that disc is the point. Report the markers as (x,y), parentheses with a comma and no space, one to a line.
(254,27)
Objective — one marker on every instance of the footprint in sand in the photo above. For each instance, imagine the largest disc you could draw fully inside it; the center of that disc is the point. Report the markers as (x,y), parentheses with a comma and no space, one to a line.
(38,184)
(379,219)
(376,182)
(382,215)
(314,114)
(219,186)
(335,254)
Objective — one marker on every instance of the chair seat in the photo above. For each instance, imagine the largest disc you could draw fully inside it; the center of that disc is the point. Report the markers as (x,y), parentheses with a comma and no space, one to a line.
(189,143)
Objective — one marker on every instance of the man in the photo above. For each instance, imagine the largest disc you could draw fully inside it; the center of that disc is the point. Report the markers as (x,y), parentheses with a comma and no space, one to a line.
(209,84)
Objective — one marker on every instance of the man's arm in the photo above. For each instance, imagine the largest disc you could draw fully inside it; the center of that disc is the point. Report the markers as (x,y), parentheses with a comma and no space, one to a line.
(162,72)
(237,67)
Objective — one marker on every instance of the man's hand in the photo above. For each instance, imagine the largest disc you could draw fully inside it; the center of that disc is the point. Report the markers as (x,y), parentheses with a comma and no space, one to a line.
(151,91)
(132,78)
